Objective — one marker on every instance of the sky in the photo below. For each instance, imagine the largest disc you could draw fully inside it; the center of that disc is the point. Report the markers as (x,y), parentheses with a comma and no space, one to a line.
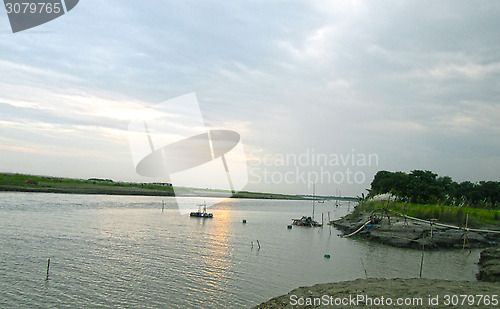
(324,92)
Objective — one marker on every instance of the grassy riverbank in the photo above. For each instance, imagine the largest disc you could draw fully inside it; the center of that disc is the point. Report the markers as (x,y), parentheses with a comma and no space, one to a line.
(394,230)
(478,217)
(47,184)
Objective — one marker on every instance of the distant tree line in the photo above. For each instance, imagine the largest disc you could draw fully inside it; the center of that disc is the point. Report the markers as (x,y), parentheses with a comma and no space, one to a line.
(100,180)
(426,187)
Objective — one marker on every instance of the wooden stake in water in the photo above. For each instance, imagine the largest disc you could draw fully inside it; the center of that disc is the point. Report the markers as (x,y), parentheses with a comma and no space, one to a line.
(422,261)
(48,267)
(258,243)
(364,268)
(314,186)
(162,205)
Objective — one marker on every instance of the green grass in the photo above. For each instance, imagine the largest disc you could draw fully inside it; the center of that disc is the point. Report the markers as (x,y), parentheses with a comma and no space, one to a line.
(444,214)
(22,182)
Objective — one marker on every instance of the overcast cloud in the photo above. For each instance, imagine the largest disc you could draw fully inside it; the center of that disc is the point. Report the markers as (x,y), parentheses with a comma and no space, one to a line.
(414,82)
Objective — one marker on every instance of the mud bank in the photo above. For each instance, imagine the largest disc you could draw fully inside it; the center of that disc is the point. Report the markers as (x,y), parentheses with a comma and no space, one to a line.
(489,265)
(418,292)
(398,232)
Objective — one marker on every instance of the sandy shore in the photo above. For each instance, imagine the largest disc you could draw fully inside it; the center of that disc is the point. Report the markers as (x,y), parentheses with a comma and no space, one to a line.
(419,291)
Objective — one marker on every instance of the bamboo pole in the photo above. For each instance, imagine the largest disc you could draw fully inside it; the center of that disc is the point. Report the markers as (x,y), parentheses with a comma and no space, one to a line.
(422,261)
(447,225)
(364,268)
(432,221)
(353,233)
(466,237)
(48,267)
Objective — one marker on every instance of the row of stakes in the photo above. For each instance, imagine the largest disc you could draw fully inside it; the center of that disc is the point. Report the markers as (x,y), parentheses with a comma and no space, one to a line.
(327,256)
(258,243)
(244,221)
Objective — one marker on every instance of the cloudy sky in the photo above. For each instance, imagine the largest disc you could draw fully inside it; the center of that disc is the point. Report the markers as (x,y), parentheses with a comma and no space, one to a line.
(414,84)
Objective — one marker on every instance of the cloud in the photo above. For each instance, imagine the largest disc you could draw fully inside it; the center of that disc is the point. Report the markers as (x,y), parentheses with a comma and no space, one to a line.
(414,81)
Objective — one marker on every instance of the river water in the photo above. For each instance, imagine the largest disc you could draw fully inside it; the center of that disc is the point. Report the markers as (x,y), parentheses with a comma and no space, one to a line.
(125,252)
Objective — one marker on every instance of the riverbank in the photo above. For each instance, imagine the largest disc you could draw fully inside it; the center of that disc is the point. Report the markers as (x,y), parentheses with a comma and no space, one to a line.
(489,265)
(45,184)
(416,291)
(397,231)
(130,190)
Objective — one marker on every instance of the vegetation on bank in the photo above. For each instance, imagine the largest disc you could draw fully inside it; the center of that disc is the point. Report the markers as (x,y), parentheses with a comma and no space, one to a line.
(32,183)
(425,195)
(445,214)
(21,181)
(426,187)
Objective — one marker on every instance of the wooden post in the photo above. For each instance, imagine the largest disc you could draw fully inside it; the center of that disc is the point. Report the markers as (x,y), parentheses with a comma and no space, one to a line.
(252,244)
(258,243)
(48,267)
(322,222)
(364,268)
(404,215)
(162,205)
(422,261)
(466,238)
(432,221)
(329,217)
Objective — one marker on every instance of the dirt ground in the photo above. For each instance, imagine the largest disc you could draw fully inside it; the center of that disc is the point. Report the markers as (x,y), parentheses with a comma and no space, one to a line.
(412,293)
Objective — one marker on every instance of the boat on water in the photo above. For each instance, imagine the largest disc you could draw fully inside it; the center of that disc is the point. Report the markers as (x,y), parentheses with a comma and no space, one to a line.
(202,213)
(305,220)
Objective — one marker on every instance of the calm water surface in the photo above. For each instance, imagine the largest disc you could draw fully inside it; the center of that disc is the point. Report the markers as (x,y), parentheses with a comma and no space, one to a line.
(124,252)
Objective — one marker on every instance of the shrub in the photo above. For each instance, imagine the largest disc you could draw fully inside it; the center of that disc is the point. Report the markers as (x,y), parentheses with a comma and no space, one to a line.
(31,181)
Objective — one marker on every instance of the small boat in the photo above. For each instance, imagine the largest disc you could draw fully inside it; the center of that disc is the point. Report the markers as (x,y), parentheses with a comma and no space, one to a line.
(306,221)
(202,214)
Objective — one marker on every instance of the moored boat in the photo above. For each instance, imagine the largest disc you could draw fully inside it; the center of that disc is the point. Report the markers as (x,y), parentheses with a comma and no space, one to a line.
(200,213)
(306,221)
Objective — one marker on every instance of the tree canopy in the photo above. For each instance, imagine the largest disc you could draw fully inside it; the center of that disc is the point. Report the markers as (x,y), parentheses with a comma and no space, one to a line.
(427,187)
